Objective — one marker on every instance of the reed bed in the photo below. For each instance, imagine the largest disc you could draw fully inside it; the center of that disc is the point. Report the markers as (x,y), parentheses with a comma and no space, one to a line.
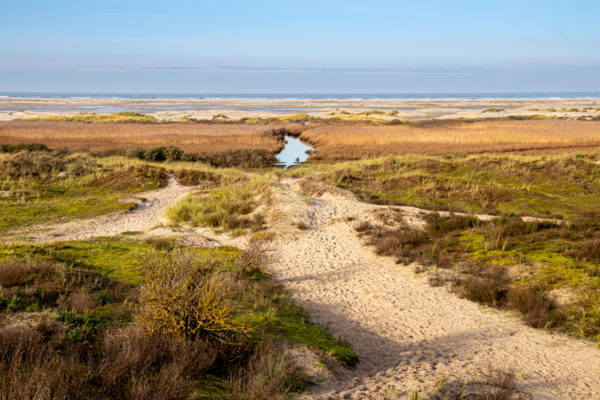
(113,138)
(442,137)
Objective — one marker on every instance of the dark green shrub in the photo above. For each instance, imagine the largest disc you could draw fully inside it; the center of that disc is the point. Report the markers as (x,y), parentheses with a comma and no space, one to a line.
(155,154)
(134,152)
(172,153)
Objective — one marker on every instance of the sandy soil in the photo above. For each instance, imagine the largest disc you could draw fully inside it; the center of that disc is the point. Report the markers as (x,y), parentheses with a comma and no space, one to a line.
(15,107)
(146,215)
(406,333)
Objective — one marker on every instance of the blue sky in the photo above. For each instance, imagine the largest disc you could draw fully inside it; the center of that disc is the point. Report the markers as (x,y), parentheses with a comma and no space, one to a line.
(260,46)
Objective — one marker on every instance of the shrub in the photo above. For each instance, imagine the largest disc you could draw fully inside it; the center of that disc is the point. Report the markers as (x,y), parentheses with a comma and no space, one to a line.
(26,147)
(253,260)
(531,302)
(135,152)
(488,287)
(185,296)
(159,154)
(31,165)
(269,375)
(190,177)
(590,250)
(497,384)
(12,273)
(155,154)
(246,158)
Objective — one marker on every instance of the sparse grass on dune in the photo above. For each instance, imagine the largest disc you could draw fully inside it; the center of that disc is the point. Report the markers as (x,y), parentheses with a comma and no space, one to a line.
(444,137)
(549,186)
(45,186)
(42,186)
(508,263)
(70,331)
(548,271)
(113,138)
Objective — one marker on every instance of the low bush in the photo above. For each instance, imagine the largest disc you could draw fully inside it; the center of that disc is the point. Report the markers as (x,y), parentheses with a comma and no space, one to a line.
(185,296)
(246,158)
(190,177)
(534,305)
(159,154)
(25,147)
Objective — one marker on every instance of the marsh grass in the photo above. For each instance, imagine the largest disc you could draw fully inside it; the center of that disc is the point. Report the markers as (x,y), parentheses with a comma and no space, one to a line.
(436,137)
(114,138)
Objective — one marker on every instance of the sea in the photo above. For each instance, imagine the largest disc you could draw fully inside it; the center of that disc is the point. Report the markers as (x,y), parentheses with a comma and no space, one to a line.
(347,96)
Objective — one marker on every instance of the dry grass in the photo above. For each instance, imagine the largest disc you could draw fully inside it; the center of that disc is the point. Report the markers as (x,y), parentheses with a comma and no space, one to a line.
(113,138)
(443,137)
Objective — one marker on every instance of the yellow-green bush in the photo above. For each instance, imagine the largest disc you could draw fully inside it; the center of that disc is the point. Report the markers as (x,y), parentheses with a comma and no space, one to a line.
(185,295)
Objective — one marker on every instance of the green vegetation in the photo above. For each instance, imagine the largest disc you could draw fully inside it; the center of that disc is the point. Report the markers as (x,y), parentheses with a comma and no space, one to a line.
(530,117)
(548,186)
(42,186)
(493,110)
(226,206)
(98,326)
(509,263)
(159,153)
(302,117)
(548,270)
(93,118)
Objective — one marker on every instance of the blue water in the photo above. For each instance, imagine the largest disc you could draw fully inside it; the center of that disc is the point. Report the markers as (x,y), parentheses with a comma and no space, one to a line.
(491,95)
(293,153)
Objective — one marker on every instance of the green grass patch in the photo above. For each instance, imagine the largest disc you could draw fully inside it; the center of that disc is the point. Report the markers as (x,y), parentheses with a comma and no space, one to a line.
(273,314)
(225,206)
(41,187)
(537,186)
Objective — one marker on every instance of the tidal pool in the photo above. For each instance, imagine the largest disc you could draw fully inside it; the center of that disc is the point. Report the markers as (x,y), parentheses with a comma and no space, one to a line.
(294,152)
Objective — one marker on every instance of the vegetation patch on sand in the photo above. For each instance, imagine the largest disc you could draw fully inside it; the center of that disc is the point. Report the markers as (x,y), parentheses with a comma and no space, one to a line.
(551,186)
(93,118)
(43,186)
(226,206)
(69,330)
(508,263)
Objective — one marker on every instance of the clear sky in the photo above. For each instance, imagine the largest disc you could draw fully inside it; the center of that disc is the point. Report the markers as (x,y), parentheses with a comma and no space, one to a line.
(303,46)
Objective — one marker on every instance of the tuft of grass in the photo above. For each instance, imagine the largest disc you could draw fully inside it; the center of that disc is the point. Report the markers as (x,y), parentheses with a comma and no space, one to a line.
(226,206)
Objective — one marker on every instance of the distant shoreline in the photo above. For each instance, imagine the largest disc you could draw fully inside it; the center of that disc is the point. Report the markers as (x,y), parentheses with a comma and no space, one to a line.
(234,108)
(309,96)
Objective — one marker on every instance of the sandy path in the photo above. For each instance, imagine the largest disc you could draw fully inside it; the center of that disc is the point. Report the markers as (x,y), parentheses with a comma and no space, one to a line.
(145,216)
(407,334)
